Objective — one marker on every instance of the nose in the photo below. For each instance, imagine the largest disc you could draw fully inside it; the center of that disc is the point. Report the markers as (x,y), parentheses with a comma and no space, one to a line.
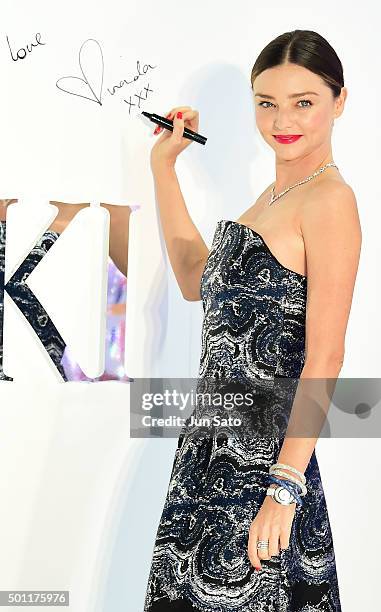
(283,120)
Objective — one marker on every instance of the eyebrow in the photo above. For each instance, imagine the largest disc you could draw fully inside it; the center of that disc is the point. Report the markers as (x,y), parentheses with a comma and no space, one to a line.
(295,95)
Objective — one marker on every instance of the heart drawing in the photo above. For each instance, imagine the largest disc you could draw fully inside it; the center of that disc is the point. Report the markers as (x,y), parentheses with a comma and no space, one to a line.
(92,68)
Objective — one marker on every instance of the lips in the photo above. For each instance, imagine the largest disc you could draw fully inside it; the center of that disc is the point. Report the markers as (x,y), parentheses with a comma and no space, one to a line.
(287,139)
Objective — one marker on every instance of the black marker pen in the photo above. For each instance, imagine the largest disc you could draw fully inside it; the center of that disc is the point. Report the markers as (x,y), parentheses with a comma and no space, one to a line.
(168,124)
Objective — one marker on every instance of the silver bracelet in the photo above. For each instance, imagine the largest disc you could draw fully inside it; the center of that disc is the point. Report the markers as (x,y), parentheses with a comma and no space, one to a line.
(292,469)
(302,486)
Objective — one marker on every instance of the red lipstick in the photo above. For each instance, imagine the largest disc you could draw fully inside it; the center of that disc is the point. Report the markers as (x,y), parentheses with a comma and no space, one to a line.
(287,138)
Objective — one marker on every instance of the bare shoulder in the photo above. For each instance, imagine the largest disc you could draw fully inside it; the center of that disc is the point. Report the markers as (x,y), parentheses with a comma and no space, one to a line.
(331,203)
(332,192)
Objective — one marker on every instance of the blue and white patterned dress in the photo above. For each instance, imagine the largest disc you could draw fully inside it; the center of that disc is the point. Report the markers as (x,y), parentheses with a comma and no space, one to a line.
(253,328)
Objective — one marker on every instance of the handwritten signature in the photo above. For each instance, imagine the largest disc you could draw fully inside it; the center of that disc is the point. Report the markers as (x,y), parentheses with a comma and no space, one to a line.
(136,77)
(90,85)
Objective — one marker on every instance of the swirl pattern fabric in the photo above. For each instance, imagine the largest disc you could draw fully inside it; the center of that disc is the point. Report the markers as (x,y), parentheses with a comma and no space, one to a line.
(253,328)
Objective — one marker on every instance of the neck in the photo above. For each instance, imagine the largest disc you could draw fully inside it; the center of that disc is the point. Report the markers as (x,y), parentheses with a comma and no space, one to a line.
(291,171)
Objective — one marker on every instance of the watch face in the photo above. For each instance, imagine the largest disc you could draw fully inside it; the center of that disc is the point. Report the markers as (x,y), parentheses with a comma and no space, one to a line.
(283,495)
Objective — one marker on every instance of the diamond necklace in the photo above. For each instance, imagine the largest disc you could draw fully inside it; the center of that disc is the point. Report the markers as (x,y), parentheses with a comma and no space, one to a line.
(273,197)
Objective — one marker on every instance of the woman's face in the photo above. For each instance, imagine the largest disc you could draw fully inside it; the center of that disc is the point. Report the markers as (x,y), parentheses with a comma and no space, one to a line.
(282,107)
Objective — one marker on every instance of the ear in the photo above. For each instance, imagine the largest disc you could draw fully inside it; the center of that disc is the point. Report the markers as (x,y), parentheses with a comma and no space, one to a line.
(340,102)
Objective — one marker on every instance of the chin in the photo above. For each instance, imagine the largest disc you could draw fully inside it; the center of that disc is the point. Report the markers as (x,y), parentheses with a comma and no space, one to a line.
(287,156)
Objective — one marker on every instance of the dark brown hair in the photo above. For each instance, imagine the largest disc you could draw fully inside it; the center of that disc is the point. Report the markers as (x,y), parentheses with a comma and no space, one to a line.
(304,48)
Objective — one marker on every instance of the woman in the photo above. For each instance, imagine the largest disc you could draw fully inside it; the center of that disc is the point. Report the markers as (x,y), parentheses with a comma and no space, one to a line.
(246,527)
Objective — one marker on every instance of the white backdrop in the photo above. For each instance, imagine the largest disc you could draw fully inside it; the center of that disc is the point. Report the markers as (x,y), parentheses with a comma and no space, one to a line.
(80,499)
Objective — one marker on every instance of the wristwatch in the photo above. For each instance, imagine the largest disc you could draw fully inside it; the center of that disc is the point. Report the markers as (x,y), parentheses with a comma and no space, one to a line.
(281,495)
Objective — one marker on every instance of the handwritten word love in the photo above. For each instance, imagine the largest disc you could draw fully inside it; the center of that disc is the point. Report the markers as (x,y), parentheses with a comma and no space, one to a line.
(23,51)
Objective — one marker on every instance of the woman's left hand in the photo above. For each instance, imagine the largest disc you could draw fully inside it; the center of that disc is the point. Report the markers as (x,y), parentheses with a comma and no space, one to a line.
(273,522)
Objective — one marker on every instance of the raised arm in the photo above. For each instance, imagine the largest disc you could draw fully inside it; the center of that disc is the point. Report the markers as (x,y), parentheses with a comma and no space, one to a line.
(186,249)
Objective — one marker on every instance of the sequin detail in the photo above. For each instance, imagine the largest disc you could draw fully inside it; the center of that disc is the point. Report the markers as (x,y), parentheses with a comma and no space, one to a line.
(253,328)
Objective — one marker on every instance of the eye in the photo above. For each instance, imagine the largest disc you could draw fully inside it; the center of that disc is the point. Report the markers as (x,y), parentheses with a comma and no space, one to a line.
(309,103)
(265,102)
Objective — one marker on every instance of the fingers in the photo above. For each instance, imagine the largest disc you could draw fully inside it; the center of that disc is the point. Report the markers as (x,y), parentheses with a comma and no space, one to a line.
(172,113)
(252,553)
(187,115)
(252,547)
(263,553)
(284,539)
(178,126)
(276,541)
(158,128)
(257,554)
(274,544)
(179,123)
(179,108)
